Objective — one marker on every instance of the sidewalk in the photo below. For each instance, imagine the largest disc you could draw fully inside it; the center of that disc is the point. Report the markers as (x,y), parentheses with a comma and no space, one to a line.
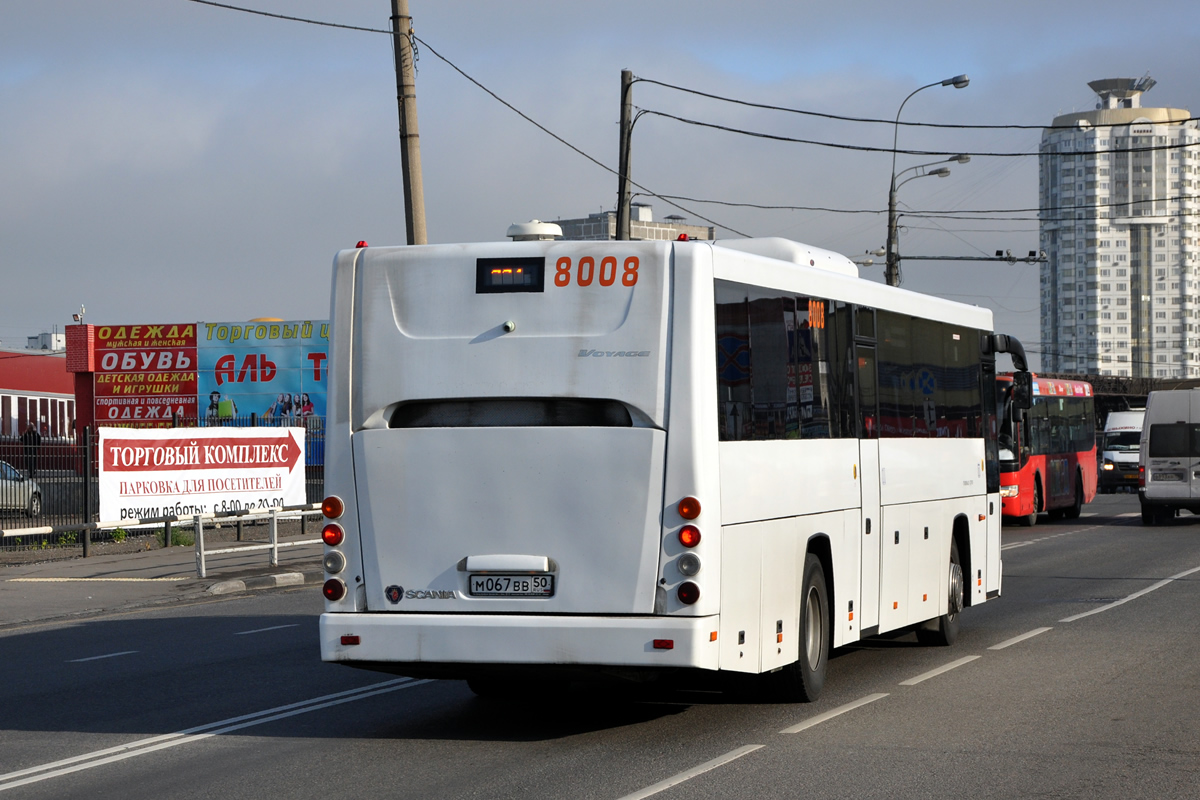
(79,587)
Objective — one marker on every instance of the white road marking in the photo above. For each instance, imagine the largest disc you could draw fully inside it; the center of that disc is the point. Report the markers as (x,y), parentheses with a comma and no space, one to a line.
(95,580)
(933,673)
(264,630)
(97,658)
(1017,544)
(691,773)
(828,715)
(1129,514)
(78,763)
(1018,639)
(1133,596)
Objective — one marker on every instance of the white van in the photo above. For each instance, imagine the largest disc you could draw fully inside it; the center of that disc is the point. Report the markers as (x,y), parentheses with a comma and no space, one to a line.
(1119,450)
(1169,463)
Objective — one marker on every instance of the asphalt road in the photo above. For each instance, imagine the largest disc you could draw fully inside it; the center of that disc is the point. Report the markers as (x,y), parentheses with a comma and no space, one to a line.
(1083,680)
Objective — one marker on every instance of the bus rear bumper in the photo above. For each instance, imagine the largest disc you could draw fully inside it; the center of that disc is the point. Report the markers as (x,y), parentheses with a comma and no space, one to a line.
(462,639)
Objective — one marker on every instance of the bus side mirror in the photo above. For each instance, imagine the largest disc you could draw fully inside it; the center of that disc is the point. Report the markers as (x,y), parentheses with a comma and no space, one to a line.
(1022,396)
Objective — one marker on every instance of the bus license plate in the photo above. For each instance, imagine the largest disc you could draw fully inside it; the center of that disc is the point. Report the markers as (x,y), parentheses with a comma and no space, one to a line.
(512,585)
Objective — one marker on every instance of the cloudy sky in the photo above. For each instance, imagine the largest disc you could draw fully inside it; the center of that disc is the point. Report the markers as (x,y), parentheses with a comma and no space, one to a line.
(164,160)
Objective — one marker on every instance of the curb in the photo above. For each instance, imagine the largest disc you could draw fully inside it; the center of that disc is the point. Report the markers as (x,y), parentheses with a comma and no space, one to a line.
(264,582)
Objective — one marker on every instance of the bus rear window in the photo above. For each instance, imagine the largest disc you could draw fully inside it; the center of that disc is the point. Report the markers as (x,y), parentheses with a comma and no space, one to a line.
(512,412)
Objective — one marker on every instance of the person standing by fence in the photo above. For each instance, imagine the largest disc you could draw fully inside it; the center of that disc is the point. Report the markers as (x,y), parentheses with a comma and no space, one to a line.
(33,442)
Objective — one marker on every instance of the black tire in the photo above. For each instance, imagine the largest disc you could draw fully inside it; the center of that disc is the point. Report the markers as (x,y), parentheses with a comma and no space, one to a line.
(802,680)
(946,632)
(1074,511)
(1029,520)
(35,505)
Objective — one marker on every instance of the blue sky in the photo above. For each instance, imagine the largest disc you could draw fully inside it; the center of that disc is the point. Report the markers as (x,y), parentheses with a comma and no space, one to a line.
(162,160)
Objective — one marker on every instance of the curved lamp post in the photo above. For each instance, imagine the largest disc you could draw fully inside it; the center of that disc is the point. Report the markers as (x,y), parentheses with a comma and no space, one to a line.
(892,270)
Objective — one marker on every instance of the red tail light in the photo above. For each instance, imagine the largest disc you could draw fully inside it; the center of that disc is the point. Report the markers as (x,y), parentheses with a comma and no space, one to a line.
(1141,476)
(689,508)
(332,507)
(332,534)
(334,589)
(688,593)
(689,536)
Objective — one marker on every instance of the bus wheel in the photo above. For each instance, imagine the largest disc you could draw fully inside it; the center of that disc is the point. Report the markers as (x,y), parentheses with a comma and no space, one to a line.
(1074,511)
(1030,519)
(802,680)
(943,631)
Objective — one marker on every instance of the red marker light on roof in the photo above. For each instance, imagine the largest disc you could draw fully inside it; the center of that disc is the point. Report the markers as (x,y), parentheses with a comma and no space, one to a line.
(361,244)
(683,237)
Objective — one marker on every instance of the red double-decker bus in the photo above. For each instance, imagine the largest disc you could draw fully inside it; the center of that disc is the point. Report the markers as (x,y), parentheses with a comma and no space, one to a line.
(1048,453)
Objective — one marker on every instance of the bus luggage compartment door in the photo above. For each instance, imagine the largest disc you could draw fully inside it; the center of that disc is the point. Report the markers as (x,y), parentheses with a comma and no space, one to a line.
(579,506)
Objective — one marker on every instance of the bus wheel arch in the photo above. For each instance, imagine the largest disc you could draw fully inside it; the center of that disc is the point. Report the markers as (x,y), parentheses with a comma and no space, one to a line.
(803,679)
(962,538)
(1030,519)
(943,631)
(1075,510)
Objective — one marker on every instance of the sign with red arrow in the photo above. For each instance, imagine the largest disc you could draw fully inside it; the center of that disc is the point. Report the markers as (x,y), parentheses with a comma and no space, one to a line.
(159,472)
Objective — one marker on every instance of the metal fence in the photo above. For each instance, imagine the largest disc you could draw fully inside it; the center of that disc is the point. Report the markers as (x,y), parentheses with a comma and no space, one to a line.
(54,482)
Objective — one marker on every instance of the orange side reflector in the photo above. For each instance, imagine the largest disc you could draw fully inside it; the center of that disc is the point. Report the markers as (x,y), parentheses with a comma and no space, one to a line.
(982,517)
(664,644)
(980,582)
(895,606)
(924,598)
(712,637)
(779,637)
(852,616)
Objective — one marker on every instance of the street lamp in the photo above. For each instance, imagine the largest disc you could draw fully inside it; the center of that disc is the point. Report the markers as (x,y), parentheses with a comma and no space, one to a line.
(892,270)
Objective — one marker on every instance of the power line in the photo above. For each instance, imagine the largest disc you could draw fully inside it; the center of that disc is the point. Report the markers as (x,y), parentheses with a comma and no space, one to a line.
(485,89)
(927,153)
(842,118)
(956,213)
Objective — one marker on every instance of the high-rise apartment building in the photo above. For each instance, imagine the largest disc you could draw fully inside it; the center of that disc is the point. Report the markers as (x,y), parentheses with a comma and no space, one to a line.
(1120,289)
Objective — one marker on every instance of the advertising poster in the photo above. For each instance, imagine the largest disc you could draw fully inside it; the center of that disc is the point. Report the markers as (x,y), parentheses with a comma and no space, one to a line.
(144,373)
(187,471)
(272,369)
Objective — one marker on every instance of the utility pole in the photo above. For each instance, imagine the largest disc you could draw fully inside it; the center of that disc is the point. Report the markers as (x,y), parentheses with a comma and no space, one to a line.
(410,140)
(623,184)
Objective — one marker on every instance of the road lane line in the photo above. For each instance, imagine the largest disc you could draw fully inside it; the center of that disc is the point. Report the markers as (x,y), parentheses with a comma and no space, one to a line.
(693,772)
(264,630)
(1016,544)
(94,580)
(1018,639)
(933,673)
(828,715)
(152,744)
(1133,596)
(97,658)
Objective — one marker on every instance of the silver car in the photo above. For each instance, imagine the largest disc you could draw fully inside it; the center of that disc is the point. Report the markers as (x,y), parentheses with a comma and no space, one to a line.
(19,493)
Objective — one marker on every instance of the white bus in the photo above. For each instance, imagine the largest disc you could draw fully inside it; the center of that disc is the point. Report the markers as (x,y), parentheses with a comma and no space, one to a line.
(549,459)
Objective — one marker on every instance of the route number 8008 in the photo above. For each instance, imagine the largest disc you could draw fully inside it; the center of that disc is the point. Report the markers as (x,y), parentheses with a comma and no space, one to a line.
(585,271)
